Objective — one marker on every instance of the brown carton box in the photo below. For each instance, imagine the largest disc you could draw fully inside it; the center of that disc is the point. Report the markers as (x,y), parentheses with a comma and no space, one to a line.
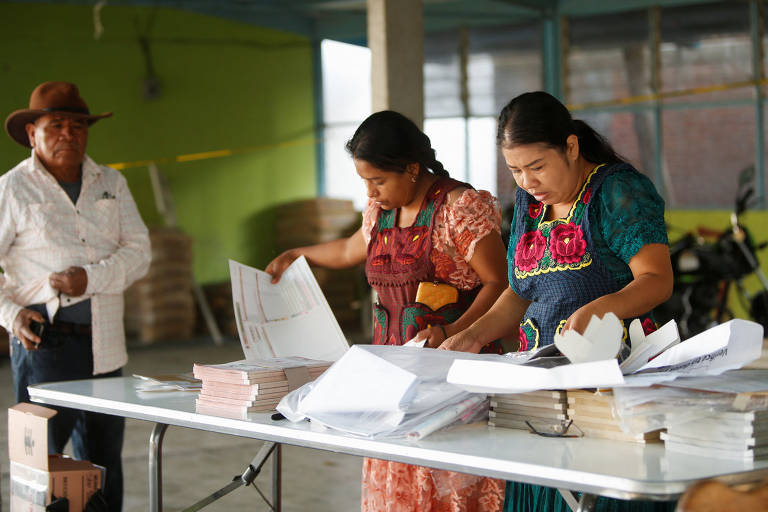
(37,477)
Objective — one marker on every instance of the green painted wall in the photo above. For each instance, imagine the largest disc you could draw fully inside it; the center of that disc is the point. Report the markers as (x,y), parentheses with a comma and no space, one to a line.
(223,85)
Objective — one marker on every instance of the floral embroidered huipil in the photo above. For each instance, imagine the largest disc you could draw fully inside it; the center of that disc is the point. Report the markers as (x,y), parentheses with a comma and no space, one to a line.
(563,264)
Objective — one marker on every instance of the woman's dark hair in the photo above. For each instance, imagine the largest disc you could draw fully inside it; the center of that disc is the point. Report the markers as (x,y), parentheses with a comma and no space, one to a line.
(390,141)
(540,118)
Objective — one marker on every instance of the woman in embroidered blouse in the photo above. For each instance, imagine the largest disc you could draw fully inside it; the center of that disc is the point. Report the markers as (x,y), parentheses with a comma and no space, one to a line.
(588,237)
(419,226)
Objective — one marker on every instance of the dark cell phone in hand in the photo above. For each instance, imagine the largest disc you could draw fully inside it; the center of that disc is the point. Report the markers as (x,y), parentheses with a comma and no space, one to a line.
(37,328)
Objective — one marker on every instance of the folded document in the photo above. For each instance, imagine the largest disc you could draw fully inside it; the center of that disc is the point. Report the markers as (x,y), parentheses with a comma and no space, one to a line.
(384,391)
(727,346)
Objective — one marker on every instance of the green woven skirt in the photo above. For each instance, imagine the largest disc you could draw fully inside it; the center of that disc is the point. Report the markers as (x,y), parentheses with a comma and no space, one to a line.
(534,498)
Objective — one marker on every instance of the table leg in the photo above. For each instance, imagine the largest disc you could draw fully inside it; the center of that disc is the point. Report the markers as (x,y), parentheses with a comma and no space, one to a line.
(156,467)
(587,503)
(277,478)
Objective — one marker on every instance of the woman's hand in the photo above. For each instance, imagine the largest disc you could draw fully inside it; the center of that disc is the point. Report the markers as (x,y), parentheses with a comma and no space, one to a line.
(464,341)
(434,335)
(278,265)
(580,318)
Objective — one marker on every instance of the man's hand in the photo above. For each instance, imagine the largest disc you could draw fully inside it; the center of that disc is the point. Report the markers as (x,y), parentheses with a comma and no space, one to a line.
(72,281)
(21,328)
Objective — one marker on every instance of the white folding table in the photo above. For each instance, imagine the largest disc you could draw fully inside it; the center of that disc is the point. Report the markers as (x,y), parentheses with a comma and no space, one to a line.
(591,466)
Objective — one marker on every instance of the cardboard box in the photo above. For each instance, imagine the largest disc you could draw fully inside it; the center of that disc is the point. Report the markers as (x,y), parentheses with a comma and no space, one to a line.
(35,476)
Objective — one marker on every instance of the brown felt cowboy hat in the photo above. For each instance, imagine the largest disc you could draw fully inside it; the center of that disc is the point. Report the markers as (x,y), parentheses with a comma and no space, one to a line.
(49,98)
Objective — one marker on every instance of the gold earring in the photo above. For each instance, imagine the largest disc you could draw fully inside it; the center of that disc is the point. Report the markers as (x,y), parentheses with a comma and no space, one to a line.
(413,179)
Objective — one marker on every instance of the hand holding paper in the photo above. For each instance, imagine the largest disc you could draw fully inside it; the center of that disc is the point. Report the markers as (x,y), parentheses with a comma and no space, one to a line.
(601,340)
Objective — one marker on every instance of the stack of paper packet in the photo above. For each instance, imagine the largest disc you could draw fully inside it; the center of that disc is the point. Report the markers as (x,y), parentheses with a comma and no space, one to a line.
(592,413)
(543,409)
(237,388)
(729,435)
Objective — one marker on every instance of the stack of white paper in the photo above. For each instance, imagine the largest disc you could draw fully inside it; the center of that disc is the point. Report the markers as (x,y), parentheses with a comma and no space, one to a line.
(542,409)
(379,390)
(240,387)
(730,435)
(592,412)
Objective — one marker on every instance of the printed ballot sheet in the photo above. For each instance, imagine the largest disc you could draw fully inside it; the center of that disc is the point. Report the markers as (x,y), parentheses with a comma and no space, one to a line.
(290,318)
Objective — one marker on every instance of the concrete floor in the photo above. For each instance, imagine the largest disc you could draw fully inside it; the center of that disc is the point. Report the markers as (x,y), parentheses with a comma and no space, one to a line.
(196,463)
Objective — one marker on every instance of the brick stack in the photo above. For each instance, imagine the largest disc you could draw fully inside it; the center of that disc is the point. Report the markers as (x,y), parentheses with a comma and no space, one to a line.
(161,305)
(317,220)
(219,297)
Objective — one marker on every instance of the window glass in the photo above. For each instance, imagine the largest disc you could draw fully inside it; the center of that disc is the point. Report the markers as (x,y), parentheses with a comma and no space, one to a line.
(346,102)
(704,151)
(608,57)
(629,133)
(503,63)
(442,80)
(346,82)
(706,45)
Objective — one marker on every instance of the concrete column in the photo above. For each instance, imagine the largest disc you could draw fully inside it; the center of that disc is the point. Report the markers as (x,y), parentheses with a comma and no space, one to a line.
(396,40)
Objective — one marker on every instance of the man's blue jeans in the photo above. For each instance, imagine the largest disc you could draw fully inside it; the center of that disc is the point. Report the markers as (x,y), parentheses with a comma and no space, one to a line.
(95,437)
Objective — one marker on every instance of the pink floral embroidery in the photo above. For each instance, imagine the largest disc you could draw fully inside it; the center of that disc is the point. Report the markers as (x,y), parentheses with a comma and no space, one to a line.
(649,326)
(534,210)
(566,243)
(529,250)
(476,212)
(399,487)
(587,196)
(523,340)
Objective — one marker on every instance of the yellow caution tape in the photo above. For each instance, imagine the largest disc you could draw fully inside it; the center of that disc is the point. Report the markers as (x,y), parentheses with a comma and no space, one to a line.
(191,157)
(667,94)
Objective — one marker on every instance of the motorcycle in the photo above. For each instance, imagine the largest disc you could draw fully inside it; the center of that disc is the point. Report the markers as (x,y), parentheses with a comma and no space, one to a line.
(707,264)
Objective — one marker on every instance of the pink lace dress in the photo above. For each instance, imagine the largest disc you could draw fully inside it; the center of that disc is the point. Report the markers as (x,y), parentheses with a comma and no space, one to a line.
(397,487)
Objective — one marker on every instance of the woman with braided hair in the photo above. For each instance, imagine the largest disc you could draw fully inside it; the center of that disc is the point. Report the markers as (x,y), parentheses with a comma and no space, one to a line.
(420,227)
(587,238)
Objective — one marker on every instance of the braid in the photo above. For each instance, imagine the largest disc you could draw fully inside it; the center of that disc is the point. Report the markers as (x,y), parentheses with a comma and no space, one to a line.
(539,117)
(593,146)
(391,141)
(437,168)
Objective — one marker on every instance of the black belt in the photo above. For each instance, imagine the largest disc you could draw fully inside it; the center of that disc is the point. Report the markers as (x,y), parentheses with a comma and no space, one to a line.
(69,328)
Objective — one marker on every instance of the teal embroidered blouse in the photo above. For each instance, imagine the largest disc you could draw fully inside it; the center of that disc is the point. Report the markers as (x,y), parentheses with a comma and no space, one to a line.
(626,214)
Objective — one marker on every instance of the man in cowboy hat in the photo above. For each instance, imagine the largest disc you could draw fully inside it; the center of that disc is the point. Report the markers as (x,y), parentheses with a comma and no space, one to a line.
(71,241)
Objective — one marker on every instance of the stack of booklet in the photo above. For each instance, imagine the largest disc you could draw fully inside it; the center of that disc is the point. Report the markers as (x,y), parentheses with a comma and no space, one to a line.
(592,413)
(729,435)
(545,411)
(237,388)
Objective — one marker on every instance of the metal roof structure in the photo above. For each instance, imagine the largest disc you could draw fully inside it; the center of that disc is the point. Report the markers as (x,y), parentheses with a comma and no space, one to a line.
(345,20)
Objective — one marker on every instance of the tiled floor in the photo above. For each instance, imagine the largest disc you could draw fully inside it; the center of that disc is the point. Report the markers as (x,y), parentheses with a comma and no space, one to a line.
(196,463)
